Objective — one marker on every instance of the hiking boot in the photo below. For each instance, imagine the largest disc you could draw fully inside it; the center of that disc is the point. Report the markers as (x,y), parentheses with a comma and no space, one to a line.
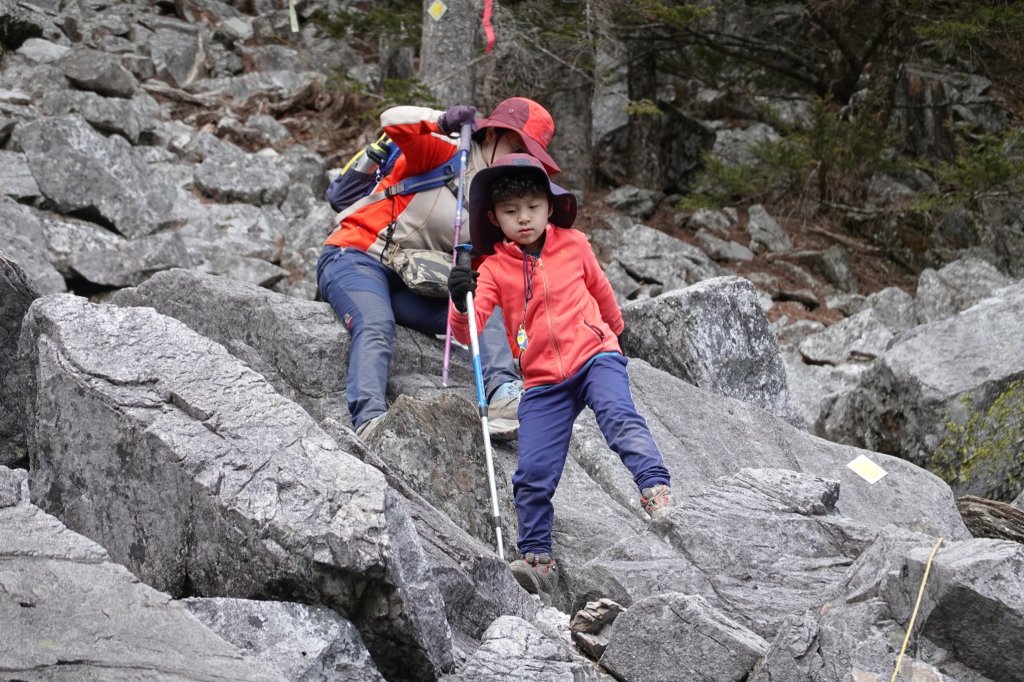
(656,500)
(503,409)
(366,428)
(538,574)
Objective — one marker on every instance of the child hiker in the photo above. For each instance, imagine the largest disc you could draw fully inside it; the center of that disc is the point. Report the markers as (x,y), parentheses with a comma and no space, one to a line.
(562,322)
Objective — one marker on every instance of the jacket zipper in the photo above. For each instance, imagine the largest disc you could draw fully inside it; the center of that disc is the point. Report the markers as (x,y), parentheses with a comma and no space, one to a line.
(551,326)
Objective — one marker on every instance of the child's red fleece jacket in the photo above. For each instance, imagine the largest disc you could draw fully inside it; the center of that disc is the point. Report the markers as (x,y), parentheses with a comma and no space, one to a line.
(571,314)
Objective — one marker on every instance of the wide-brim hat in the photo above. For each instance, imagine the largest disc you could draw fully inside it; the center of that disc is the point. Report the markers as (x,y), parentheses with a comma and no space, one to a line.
(533,123)
(482,232)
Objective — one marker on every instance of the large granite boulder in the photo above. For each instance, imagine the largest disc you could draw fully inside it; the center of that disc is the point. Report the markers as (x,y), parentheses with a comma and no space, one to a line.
(103,178)
(714,335)
(858,630)
(23,234)
(654,261)
(947,396)
(16,295)
(203,480)
(70,613)
(955,287)
(646,645)
(299,346)
(299,641)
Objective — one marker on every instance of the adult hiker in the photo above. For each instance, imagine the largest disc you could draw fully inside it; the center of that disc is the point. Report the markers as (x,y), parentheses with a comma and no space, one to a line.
(562,321)
(358,273)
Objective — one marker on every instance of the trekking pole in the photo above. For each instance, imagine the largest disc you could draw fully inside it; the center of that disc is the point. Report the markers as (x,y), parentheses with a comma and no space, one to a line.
(463,258)
(465,137)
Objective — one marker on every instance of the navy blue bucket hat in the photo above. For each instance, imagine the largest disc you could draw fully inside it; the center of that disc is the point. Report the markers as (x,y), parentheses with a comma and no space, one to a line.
(482,232)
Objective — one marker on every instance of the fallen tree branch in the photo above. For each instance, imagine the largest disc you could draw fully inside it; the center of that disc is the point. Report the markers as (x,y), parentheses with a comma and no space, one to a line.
(849,241)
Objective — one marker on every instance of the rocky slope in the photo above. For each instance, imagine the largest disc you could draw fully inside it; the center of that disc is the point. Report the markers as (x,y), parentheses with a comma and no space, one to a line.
(181,496)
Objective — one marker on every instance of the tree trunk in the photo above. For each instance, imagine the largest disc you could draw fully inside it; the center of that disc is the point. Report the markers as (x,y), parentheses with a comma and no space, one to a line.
(451,44)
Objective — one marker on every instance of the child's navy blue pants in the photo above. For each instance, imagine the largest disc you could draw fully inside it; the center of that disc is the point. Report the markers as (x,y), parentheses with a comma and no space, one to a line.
(546,416)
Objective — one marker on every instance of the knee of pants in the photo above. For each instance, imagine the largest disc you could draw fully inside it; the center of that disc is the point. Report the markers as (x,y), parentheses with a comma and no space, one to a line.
(532,481)
(374,330)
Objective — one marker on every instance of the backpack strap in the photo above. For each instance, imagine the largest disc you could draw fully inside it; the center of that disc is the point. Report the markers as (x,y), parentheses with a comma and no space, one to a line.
(442,175)
(445,174)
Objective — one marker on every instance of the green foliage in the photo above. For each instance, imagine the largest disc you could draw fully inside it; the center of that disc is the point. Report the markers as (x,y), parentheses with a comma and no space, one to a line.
(642,107)
(990,165)
(977,27)
(398,21)
(392,92)
(828,162)
(988,446)
(672,15)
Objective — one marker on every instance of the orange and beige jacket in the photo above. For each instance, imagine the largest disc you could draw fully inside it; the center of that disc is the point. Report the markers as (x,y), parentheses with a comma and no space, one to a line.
(571,316)
(424,220)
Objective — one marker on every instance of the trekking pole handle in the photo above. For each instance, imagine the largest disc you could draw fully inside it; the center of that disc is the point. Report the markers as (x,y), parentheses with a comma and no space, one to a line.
(463,257)
(465,137)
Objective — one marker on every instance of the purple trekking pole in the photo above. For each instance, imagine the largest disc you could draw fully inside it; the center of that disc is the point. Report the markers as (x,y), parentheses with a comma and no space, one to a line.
(465,137)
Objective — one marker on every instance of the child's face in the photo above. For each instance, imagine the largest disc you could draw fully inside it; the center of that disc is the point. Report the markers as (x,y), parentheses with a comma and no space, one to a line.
(523,219)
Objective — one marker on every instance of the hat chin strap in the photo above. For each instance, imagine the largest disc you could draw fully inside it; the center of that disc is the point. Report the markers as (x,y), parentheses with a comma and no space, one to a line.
(494,137)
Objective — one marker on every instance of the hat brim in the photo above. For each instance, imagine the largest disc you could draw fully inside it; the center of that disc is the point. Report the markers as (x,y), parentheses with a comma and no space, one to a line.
(483,233)
(531,144)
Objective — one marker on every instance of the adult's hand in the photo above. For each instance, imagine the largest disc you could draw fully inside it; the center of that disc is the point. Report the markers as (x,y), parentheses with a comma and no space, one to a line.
(461,281)
(452,120)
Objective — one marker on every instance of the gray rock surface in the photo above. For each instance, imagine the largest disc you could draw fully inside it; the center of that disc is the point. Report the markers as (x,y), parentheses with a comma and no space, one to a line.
(249,178)
(955,287)
(81,171)
(832,264)
(476,585)
(659,261)
(722,249)
(13,486)
(131,262)
(17,292)
(646,644)
(858,338)
(514,648)
(298,346)
(634,201)
(301,642)
(704,437)
(98,72)
(15,176)
(765,233)
(203,478)
(24,241)
(941,386)
(70,613)
(714,335)
(859,630)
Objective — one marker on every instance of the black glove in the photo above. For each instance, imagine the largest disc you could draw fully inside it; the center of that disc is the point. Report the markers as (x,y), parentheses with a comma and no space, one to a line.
(461,281)
(452,120)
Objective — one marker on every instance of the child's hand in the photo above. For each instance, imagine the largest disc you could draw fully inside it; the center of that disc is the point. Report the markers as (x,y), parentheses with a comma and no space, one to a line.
(461,281)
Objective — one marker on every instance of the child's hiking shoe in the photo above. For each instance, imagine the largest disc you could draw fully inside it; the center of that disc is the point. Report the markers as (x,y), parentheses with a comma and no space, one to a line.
(503,411)
(656,500)
(538,574)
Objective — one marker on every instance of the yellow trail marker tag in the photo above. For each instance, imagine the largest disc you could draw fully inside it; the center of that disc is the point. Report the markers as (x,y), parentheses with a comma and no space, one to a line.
(293,16)
(866,469)
(437,9)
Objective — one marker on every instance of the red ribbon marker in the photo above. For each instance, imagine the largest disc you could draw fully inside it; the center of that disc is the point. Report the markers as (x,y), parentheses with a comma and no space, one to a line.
(488,28)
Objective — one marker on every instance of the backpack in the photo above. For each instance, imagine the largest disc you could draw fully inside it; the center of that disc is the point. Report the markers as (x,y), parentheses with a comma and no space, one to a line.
(358,178)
